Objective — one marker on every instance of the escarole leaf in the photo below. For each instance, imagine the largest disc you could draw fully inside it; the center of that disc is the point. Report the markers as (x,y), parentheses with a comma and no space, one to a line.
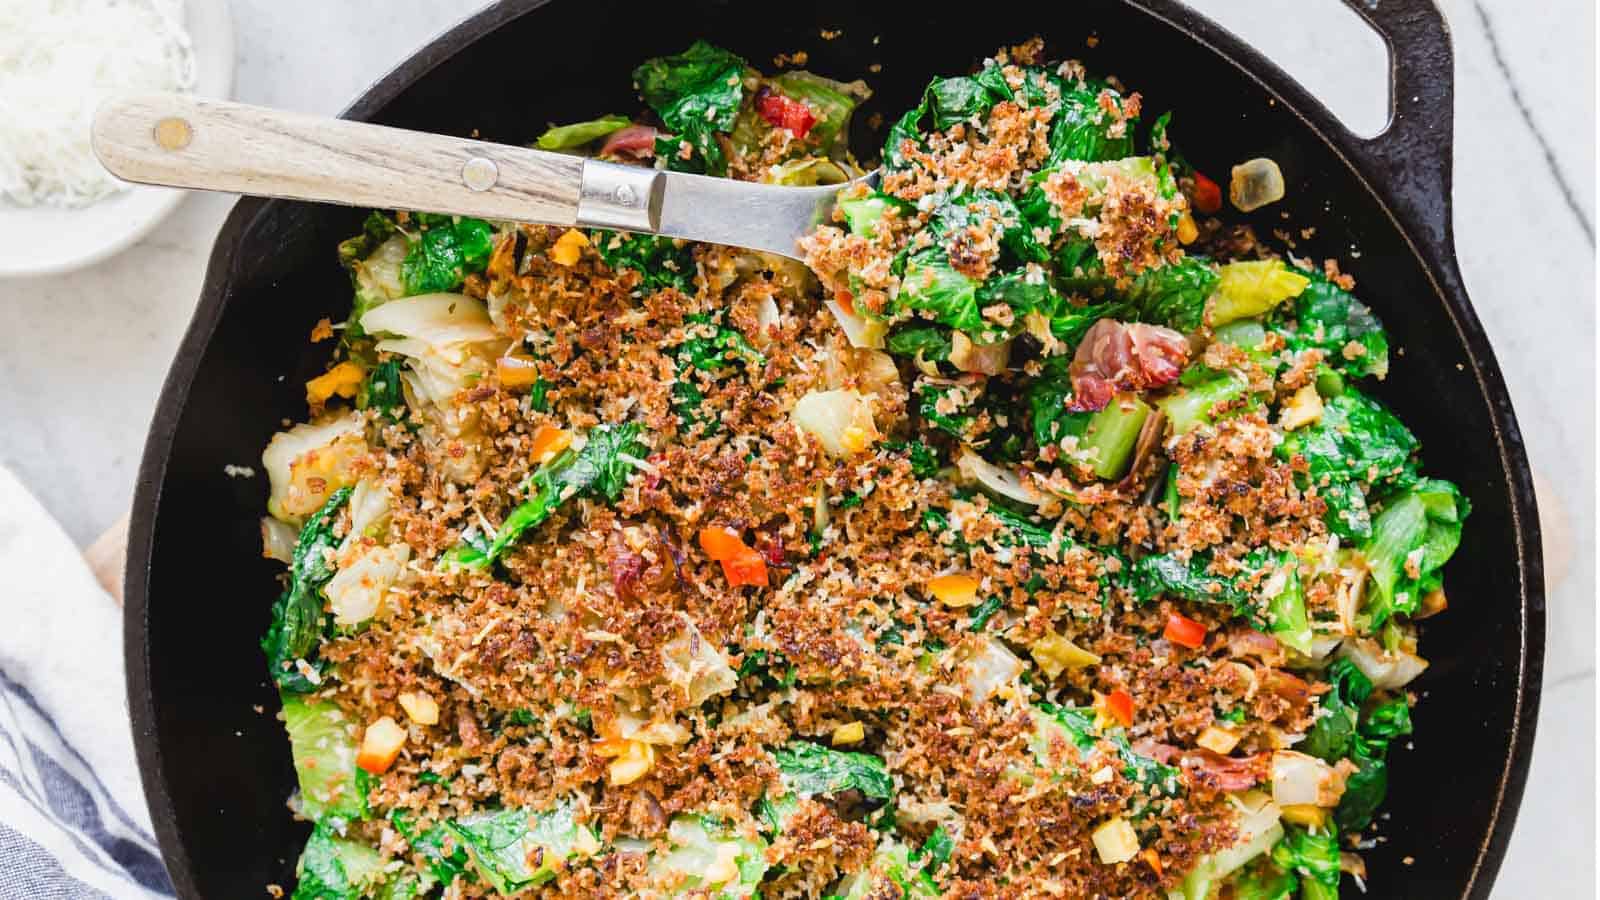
(1417,532)
(664,262)
(297,617)
(1016,233)
(446,251)
(1287,619)
(810,769)
(697,93)
(1342,731)
(1356,444)
(1325,317)
(893,871)
(1047,398)
(384,391)
(445,865)
(1364,790)
(832,102)
(610,454)
(514,849)
(903,135)
(1330,738)
(405,885)
(1262,880)
(567,137)
(1174,295)
(1387,721)
(1252,287)
(691,85)
(1095,178)
(938,848)
(1076,727)
(375,229)
(322,742)
(1165,574)
(930,343)
(947,407)
(1020,530)
(932,288)
(713,348)
(806,172)
(1082,130)
(373,259)
(862,214)
(699,850)
(924,459)
(959,99)
(1312,856)
(332,868)
(945,102)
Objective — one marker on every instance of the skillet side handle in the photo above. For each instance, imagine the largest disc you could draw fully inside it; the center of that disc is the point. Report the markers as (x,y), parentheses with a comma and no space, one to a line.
(1412,156)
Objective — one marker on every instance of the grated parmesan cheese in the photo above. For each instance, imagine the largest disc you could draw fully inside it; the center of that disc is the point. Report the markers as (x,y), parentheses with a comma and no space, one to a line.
(58,60)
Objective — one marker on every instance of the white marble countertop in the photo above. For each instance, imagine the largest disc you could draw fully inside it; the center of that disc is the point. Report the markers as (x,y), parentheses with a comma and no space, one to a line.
(83,356)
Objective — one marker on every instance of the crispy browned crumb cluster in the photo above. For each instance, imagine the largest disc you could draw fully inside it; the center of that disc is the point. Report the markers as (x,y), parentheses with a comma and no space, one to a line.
(1132,228)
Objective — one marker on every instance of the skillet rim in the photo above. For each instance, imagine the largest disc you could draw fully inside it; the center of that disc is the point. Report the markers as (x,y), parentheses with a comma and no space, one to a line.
(1438,263)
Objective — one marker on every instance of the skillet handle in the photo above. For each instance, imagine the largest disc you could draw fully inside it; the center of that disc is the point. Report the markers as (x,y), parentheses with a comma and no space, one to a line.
(178,140)
(1413,152)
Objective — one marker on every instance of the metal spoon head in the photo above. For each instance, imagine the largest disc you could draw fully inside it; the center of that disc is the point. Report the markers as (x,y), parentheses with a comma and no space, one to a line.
(744,214)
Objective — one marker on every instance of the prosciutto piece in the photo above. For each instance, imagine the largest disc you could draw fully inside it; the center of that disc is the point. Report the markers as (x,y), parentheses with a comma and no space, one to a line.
(637,141)
(1227,773)
(1124,356)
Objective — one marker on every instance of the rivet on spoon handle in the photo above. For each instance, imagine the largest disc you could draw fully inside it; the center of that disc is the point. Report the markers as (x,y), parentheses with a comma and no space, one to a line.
(173,133)
(479,174)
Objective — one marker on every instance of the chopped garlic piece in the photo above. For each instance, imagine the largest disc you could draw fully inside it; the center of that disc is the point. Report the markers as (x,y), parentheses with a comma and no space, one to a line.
(1055,654)
(1304,408)
(631,760)
(726,866)
(1116,842)
(849,733)
(1255,183)
(1188,232)
(420,708)
(840,420)
(1305,815)
(1218,740)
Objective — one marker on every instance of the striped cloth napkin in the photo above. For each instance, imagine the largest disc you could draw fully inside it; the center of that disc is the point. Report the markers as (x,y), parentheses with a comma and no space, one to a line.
(73,823)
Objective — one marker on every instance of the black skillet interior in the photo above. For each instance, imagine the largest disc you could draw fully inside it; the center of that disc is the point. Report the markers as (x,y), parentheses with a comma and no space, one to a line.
(215,760)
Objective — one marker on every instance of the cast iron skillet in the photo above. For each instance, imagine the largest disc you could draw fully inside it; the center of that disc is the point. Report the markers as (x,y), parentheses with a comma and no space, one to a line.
(216,770)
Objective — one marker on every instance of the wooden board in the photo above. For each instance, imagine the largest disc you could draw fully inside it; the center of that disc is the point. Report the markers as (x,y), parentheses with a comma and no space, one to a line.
(107,556)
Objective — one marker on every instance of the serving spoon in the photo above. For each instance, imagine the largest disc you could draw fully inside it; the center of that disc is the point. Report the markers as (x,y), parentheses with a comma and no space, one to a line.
(177,140)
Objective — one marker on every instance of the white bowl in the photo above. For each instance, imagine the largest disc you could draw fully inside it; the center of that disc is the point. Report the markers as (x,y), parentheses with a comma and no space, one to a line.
(41,240)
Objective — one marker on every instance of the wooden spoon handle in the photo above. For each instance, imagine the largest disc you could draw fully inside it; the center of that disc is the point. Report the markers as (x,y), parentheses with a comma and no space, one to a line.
(178,140)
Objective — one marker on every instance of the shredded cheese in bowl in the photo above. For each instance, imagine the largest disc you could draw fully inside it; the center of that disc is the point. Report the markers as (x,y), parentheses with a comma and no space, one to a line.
(58,60)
